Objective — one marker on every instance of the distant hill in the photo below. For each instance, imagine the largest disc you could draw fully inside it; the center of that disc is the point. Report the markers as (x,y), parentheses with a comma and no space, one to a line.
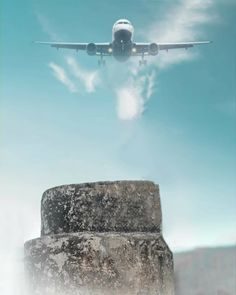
(206,271)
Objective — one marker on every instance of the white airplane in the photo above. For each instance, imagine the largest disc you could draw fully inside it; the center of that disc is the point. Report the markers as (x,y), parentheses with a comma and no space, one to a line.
(122,46)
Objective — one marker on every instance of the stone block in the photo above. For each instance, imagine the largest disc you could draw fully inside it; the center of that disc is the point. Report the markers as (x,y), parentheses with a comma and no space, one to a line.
(99,239)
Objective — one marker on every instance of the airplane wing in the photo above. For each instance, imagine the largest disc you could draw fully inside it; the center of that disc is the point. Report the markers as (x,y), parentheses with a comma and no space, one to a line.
(167,46)
(101,48)
(144,48)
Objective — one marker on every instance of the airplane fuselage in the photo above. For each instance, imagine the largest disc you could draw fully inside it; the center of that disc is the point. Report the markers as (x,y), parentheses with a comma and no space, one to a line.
(122,36)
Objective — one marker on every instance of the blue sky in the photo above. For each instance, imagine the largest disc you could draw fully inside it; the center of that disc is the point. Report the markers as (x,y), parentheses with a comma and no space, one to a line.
(172,122)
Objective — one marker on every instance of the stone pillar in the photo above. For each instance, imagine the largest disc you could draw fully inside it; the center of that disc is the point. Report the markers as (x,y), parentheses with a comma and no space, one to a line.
(100,238)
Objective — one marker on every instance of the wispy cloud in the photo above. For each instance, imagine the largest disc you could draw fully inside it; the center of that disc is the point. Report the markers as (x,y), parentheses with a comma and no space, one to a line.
(89,79)
(184,22)
(62,76)
(47,27)
(133,95)
(130,102)
(83,79)
(150,84)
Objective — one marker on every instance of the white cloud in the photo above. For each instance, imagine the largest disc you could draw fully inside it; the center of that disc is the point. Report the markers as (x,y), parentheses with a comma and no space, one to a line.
(61,75)
(183,23)
(150,84)
(133,95)
(89,79)
(130,104)
(47,27)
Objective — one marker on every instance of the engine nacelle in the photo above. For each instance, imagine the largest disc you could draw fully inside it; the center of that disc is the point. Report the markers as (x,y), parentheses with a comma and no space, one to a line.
(153,49)
(91,49)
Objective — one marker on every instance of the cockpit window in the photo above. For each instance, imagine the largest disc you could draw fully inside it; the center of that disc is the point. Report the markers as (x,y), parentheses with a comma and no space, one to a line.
(126,23)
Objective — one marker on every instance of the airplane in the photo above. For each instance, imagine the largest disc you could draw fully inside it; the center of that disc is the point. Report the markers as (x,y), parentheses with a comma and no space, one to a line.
(122,46)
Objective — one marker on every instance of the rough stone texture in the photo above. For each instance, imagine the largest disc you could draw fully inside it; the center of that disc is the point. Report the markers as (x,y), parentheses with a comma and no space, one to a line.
(100,238)
(127,206)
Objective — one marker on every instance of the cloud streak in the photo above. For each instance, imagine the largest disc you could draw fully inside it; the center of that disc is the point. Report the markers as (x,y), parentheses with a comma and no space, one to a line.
(183,23)
(47,27)
(84,79)
(89,79)
(62,76)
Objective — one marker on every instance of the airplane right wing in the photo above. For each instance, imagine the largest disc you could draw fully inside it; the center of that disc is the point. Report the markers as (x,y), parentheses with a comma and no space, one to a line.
(153,48)
(186,45)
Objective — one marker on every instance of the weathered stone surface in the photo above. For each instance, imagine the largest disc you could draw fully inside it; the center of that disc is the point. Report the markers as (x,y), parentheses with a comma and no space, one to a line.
(100,238)
(125,206)
(115,263)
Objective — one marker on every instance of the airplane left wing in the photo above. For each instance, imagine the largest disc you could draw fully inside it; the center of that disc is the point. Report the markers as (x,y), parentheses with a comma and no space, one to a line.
(153,48)
(96,48)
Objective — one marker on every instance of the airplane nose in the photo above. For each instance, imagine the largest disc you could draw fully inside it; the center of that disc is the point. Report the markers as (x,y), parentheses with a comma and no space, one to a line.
(123,35)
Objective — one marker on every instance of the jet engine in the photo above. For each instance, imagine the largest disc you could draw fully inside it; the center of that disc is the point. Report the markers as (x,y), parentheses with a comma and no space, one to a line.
(153,49)
(91,49)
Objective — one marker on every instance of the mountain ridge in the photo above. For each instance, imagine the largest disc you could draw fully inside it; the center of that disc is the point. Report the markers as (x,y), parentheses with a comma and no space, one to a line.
(206,271)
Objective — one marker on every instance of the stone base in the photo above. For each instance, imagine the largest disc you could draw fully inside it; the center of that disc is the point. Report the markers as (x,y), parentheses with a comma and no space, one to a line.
(99,263)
